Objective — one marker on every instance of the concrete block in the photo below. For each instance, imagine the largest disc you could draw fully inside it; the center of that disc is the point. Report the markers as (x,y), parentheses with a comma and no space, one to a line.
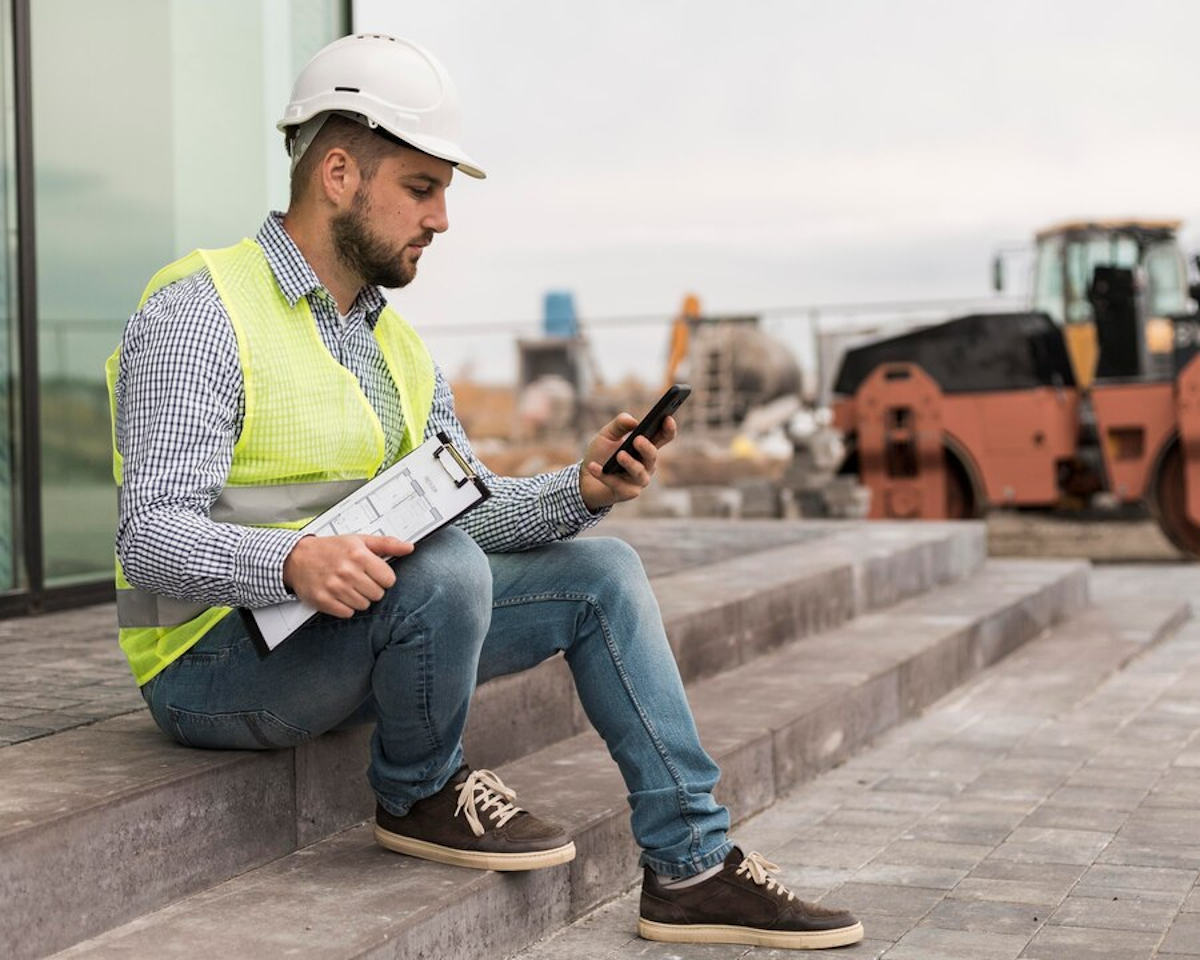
(59,883)
(726,613)
(1079,818)
(1183,937)
(1129,853)
(821,737)
(391,909)
(1083,943)
(705,639)
(889,572)
(504,914)
(716,501)
(935,671)
(933,943)
(1052,845)
(515,715)
(331,784)
(987,917)
(912,875)
(887,900)
(1041,885)
(1115,914)
(576,784)
(747,784)
(809,852)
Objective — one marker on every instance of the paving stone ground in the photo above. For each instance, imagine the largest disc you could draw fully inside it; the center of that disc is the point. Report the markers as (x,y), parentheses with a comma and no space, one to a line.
(65,670)
(62,670)
(1046,811)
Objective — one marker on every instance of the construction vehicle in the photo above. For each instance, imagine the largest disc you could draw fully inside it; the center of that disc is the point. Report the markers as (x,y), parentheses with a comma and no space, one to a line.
(732,364)
(1092,395)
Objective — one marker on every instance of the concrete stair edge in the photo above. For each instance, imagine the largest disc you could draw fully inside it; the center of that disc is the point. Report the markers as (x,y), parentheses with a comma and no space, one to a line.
(861,570)
(318,789)
(758,764)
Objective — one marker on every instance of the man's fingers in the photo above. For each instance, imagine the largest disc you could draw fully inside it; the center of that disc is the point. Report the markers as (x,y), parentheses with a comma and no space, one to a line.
(620,425)
(387,546)
(627,485)
(648,454)
(368,584)
(354,597)
(668,432)
(326,602)
(351,588)
(343,574)
(636,472)
(343,596)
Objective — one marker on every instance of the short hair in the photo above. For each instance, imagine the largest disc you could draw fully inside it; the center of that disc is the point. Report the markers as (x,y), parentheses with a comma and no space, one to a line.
(364,144)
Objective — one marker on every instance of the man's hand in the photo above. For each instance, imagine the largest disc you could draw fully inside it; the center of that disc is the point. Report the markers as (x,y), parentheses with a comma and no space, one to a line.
(600,489)
(343,574)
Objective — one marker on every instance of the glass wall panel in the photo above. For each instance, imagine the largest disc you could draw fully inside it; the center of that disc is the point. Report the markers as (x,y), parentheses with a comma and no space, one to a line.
(153,134)
(10,505)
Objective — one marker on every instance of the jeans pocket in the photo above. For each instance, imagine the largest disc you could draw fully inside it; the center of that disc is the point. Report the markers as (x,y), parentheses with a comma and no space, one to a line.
(246,730)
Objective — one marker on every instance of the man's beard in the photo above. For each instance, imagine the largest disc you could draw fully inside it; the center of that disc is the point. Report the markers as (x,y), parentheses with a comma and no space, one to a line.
(365,253)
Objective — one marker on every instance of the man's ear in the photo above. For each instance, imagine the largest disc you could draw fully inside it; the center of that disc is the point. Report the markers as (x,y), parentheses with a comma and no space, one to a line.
(340,176)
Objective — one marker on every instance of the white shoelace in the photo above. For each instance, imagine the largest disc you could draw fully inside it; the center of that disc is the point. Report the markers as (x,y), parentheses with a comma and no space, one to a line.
(760,868)
(481,792)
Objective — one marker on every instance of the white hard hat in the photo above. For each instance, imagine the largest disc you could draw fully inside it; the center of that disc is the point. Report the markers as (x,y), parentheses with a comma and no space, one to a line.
(393,84)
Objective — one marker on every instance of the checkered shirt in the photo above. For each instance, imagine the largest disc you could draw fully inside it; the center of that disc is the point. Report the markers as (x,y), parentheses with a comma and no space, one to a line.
(180,407)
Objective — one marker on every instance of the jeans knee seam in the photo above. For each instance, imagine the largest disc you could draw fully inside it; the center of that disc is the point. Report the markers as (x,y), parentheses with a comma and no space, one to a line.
(541,597)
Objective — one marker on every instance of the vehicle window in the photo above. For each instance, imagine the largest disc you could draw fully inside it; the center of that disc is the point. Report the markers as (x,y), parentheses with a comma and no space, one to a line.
(1047,281)
(1083,257)
(1166,280)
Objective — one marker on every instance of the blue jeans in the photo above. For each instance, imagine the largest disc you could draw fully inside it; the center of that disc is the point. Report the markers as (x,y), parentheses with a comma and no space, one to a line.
(455,617)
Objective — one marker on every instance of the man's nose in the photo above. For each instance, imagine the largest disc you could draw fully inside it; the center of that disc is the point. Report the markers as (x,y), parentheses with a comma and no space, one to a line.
(436,219)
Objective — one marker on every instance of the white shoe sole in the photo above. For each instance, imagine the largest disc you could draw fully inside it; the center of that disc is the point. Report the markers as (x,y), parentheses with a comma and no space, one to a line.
(478,860)
(753,936)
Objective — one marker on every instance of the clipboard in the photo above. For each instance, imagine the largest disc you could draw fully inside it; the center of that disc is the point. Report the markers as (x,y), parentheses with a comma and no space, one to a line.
(432,486)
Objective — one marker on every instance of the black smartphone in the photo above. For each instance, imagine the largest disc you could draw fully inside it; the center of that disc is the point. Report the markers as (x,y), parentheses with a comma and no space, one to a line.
(651,423)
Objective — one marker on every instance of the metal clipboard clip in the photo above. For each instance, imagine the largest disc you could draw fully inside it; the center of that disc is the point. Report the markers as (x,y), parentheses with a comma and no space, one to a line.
(456,464)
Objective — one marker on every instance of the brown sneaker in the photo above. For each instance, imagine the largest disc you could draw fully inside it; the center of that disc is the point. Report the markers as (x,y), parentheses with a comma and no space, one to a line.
(472,822)
(742,904)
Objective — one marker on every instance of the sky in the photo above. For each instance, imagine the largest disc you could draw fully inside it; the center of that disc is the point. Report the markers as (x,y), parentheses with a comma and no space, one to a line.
(781,153)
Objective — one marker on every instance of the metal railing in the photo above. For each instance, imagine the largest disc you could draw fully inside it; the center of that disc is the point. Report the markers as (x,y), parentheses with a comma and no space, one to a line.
(817,333)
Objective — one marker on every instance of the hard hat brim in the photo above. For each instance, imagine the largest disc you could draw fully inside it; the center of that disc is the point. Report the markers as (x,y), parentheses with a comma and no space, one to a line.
(443,151)
(434,146)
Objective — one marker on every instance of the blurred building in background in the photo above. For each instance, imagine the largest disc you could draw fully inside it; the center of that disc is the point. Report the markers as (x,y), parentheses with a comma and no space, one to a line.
(133,131)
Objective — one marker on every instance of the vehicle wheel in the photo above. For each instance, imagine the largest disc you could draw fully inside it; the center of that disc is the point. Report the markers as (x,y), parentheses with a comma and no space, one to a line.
(960,495)
(961,502)
(1169,504)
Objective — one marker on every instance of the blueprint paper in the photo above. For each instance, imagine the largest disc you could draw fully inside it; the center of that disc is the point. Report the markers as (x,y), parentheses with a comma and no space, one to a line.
(429,488)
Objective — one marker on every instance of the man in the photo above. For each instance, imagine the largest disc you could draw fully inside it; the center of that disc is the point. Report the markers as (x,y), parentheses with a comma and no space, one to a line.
(253,387)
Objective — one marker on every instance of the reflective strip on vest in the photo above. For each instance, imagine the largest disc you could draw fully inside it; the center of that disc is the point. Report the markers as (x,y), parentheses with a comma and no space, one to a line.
(246,506)
(137,608)
(280,502)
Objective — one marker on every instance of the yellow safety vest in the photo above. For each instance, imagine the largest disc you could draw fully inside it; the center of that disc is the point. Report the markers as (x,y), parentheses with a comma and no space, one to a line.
(309,436)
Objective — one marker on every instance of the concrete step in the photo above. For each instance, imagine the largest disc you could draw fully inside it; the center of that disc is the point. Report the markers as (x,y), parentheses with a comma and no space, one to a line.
(771,723)
(74,804)
(724,613)
(961,833)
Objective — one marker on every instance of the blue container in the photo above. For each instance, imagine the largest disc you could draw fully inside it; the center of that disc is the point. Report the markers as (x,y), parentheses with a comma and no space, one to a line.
(558,314)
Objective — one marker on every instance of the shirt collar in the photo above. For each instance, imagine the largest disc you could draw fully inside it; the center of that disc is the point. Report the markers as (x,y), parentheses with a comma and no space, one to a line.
(296,278)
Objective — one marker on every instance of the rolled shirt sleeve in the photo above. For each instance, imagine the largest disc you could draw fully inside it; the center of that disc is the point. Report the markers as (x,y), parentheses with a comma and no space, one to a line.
(522,512)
